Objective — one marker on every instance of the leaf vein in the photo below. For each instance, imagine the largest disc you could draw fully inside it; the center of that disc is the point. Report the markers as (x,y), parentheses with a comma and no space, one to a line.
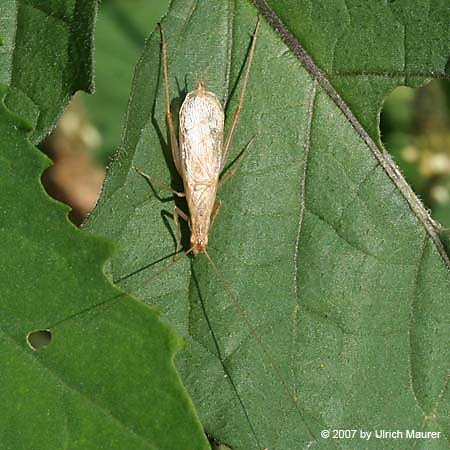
(295,312)
(388,74)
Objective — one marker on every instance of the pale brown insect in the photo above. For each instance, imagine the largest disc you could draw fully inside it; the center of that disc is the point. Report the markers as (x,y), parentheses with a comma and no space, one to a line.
(199,160)
(200,153)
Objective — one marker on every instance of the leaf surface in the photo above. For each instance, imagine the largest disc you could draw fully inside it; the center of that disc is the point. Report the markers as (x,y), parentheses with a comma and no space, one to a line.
(341,280)
(105,380)
(47,55)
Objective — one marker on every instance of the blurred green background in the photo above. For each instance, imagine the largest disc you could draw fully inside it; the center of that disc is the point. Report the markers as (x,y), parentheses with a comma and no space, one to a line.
(415,129)
(121,29)
(89,131)
(414,123)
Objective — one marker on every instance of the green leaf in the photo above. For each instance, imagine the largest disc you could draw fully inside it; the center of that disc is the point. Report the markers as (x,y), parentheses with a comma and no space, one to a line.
(121,29)
(368,48)
(105,380)
(342,281)
(46,54)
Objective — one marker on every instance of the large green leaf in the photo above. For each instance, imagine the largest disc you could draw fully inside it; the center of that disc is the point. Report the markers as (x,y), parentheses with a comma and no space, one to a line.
(104,381)
(342,281)
(46,55)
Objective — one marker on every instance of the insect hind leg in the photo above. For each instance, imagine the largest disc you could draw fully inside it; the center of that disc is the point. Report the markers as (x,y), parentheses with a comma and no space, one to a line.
(177,212)
(215,211)
(153,180)
(233,167)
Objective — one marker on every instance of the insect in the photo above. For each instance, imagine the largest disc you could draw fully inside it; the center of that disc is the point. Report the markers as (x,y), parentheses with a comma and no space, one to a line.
(201,152)
(199,155)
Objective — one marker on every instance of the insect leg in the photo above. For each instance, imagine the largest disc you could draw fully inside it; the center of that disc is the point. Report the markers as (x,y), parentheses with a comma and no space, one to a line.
(177,212)
(215,211)
(173,138)
(237,113)
(153,180)
(236,164)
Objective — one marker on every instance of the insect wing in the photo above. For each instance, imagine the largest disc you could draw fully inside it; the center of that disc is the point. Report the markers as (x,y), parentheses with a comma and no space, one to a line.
(201,137)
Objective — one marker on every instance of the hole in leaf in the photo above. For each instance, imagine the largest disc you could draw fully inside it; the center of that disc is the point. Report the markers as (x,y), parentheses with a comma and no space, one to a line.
(39,339)
(415,128)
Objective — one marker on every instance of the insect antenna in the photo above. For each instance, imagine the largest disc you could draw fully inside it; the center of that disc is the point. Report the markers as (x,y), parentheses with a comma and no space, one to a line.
(111,301)
(256,336)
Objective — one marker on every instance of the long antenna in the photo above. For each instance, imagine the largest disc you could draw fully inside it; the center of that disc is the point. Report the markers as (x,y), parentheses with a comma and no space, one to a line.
(113,300)
(258,339)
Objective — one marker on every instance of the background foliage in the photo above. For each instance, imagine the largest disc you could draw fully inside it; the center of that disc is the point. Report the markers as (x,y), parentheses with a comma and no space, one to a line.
(339,270)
